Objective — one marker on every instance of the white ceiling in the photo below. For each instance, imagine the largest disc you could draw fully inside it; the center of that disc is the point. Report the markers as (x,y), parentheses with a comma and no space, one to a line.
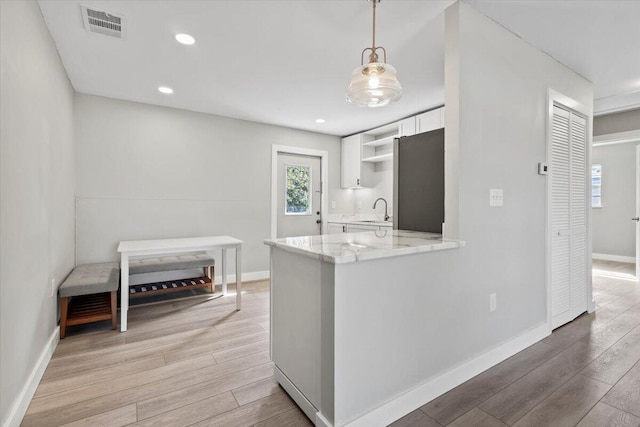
(288,62)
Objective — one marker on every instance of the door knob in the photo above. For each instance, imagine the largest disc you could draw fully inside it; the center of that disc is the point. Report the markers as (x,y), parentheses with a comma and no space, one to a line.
(318,221)
(636,219)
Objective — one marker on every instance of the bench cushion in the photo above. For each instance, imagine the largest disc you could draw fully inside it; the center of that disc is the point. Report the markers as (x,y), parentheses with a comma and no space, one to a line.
(167,263)
(89,279)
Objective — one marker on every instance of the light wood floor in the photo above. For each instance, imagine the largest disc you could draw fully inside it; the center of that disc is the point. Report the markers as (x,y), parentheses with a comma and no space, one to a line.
(198,362)
(587,373)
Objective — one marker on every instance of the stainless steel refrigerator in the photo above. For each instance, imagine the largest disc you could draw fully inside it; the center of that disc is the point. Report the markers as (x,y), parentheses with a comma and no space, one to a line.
(418,182)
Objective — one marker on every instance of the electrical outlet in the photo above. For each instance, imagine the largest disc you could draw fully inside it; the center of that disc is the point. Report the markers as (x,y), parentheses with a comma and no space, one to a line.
(359,204)
(53,287)
(333,204)
(492,302)
(496,197)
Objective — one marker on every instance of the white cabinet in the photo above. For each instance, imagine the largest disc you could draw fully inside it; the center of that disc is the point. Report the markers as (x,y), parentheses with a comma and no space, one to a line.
(351,162)
(407,127)
(355,228)
(347,227)
(336,228)
(431,120)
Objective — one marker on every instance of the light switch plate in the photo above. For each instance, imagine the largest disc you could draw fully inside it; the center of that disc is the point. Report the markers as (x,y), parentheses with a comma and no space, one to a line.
(496,197)
(333,204)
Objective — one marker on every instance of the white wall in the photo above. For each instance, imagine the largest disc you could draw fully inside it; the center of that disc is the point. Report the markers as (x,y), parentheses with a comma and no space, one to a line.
(380,184)
(496,96)
(616,122)
(37,193)
(148,172)
(613,230)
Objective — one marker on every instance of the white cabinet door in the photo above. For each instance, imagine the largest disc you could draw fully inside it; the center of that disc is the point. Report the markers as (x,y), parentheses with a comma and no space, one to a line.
(335,228)
(354,228)
(407,127)
(431,120)
(351,162)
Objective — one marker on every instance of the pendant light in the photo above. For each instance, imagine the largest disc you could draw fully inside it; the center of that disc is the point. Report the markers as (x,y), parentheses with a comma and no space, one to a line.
(374,84)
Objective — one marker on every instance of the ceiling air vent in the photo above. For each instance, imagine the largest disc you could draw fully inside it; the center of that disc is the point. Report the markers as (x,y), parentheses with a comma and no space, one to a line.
(103,22)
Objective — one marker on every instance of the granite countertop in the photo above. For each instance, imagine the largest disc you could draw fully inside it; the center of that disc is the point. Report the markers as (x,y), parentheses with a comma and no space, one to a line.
(352,247)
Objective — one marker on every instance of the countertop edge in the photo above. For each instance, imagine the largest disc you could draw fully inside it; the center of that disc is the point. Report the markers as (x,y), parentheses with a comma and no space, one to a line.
(381,254)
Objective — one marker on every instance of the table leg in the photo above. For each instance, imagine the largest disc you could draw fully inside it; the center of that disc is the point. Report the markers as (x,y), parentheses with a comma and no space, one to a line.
(224,272)
(124,290)
(238,278)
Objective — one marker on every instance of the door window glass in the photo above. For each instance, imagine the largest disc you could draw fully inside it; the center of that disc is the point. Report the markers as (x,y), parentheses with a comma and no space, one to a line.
(298,190)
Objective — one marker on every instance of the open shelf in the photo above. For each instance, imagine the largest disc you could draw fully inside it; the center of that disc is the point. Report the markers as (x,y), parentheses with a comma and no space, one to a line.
(379,158)
(89,308)
(378,142)
(168,286)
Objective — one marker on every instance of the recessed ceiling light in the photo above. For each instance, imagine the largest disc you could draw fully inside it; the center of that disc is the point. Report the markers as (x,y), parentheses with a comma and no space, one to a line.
(320,120)
(165,90)
(185,39)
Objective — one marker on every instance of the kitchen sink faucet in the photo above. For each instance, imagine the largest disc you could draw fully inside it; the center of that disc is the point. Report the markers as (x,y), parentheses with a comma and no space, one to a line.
(386,216)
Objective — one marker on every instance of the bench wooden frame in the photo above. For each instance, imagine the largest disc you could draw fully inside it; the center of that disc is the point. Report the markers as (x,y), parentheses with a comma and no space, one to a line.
(81,309)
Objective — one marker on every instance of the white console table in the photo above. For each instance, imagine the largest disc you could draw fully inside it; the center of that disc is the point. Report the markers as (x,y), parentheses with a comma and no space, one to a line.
(141,248)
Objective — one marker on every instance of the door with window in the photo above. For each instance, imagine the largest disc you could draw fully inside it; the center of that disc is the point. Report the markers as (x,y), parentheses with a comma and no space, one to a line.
(299,195)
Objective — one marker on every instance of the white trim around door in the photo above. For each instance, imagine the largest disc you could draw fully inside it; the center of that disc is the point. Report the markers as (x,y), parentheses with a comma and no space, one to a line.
(616,138)
(637,212)
(555,98)
(632,136)
(324,167)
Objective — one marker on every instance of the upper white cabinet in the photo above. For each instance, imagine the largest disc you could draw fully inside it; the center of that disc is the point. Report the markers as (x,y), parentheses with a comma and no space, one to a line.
(431,120)
(407,127)
(351,165)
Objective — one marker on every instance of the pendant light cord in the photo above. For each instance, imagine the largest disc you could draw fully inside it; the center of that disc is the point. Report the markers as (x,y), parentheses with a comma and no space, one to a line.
(374,24)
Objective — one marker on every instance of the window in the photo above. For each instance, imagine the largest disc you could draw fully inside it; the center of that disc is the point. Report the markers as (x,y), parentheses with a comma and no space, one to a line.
(596,186)
(298,190)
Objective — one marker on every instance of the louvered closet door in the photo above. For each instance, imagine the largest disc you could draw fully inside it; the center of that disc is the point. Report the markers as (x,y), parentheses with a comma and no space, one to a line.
(560,215)
(568,217)
(579,272)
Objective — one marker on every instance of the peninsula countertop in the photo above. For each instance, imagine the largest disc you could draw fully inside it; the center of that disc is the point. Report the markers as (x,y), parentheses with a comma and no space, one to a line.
(352,247)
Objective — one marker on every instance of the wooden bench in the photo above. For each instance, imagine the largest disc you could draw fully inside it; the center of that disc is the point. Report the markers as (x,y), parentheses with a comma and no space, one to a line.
(172,263)
(89,294)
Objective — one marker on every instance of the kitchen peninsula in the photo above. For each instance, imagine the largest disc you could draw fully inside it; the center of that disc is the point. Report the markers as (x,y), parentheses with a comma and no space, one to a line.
(354,320)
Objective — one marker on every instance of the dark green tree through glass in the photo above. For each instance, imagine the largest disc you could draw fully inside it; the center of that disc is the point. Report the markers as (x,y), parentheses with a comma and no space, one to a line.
(298,190)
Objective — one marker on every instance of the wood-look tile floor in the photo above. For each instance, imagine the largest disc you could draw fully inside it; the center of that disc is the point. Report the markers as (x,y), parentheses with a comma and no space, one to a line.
(198,362)
(586,374)
(184,362)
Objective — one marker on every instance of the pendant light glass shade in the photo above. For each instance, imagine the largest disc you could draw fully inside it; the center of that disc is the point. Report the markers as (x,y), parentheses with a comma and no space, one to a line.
(374,84)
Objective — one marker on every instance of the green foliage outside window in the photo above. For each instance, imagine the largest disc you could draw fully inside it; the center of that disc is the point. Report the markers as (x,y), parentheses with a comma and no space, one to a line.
(298,190)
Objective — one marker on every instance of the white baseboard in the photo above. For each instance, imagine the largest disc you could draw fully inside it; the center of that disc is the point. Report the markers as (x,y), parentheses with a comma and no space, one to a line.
(428,391)
(618,258)
(321,421)
(246,277)
(21,403)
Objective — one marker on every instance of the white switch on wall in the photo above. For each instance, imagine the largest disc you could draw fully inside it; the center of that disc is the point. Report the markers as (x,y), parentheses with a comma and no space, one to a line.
(496,197)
